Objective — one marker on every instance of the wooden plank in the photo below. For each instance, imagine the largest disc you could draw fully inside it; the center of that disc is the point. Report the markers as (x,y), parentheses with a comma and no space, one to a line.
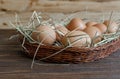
(15,64)
(101,8)
(60,76)
(94,8)
(6,18)
(59,5)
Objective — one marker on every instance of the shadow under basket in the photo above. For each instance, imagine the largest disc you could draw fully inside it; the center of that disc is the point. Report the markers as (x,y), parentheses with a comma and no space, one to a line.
(72,54)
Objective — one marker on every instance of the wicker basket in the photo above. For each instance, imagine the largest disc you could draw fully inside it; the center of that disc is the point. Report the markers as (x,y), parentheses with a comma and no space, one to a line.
(72,54)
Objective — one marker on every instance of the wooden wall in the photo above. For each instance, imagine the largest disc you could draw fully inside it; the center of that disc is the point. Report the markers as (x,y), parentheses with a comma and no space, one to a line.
(26,7)
(59,5)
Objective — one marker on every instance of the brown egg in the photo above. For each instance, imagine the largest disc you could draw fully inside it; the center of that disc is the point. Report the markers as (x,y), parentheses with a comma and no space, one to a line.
(76,24)
(60,32)
(101,27)
(97,39)
(92,31)
(111,26)
(76,39)
(45,34)
(90,23)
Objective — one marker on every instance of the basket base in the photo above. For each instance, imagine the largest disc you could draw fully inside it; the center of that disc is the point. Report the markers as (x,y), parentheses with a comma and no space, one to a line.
(73,55)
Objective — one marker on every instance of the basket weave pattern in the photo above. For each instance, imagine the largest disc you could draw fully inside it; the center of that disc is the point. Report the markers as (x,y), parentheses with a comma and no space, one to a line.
(72,54)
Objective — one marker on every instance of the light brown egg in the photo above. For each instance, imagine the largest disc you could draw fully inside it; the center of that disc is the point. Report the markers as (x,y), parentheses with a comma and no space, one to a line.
(101,27)
(76,24)
(111,26)
(76,39)
(97,39)
(90,23)
(45,34)
(93,31)
(60,32)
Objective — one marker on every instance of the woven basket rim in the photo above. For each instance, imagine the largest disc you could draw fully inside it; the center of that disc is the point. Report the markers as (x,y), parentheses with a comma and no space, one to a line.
(72,54)
(74,49)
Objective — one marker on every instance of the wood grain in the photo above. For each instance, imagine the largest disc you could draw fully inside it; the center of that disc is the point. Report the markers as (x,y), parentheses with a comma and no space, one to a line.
(94,8)
(59,5)
(15,64)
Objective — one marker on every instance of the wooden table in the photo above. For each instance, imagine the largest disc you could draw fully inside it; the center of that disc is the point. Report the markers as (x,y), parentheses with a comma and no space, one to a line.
(14,64)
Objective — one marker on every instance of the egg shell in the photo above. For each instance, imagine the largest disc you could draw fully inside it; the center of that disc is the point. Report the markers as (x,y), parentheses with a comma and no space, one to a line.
(97,39)
(76,39)
(111,26)
(90,23)
(93,31)
(60,32)
(46,33)
(101,27)
(76,24)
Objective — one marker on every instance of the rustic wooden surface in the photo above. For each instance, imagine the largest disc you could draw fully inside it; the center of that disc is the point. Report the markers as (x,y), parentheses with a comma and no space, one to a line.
(14,64)
(8,8)
(59,5)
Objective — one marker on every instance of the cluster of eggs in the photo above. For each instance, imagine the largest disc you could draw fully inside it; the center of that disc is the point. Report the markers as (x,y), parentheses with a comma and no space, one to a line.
(76,33)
